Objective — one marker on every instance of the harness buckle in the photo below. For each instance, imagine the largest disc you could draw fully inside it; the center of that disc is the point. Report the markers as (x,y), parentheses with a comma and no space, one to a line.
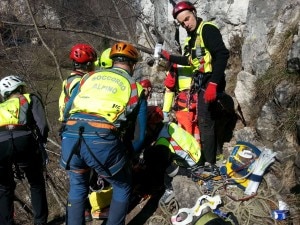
(10,127)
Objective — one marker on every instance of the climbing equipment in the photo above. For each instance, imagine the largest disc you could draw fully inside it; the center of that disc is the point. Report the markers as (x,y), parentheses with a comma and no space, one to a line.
(238,168)
(211,202)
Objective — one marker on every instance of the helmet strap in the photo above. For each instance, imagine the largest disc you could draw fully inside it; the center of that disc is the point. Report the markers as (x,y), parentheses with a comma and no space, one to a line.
(89,66)
(6,95)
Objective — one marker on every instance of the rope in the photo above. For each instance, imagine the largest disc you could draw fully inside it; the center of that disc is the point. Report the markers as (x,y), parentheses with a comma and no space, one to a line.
(169,208)
(158,219)
(247,209)
(167,211)
(256,210)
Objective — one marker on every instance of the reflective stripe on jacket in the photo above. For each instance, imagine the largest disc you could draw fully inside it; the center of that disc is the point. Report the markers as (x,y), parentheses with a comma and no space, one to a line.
(14,110)
(205,61)
(110,93)
(178,79)
(184,76)
(67,88)
(180,142)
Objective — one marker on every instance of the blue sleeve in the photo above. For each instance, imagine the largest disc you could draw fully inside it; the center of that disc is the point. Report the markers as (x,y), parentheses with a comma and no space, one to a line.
(140,128)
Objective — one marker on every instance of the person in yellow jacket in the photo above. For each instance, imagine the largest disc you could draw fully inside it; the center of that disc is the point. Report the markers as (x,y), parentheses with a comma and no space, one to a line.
(23,135)
(170,147)
(207,54)
(181,98)
(83,58)
(100,199)
(102,109)
(101,190)
(104,61)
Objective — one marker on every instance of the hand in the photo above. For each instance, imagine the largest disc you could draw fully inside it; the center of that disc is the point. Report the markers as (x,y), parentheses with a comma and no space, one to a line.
(165,55)
(210,94)
(166,117)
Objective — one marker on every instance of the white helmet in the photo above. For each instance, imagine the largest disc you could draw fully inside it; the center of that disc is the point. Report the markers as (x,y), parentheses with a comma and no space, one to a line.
(9,84)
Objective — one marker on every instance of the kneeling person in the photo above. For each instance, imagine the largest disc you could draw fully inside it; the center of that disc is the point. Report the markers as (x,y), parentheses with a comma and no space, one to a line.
(174,148)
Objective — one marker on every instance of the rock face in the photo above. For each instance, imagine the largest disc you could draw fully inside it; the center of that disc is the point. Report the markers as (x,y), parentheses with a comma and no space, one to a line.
(268,33)
(264,40)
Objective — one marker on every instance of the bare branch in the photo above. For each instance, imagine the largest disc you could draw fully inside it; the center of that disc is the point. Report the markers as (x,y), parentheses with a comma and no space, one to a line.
(140,47)
(147,34)
(122,21)
(43,42)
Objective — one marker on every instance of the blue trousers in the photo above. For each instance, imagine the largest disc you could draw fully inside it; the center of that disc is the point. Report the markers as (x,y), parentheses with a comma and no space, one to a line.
(103,151)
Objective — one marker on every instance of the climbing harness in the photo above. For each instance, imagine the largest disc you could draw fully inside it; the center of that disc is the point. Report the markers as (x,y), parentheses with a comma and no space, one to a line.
(100,184)
(189,213)
(76,149)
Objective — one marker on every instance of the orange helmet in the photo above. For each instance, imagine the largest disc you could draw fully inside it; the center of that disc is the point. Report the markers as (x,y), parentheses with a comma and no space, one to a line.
(83,53)
(154,115)
(181,6)
(124,50)
(146,83)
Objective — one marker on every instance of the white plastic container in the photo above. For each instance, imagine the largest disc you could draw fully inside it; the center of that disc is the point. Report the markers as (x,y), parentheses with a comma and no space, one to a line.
(157,51)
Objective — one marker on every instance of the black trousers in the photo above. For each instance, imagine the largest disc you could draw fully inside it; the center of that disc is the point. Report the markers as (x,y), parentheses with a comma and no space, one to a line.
(23,152)
(207,113)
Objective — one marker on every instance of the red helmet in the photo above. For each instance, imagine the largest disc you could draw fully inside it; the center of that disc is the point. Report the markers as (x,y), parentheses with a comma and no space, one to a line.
(154,115)
(146,83)
(181,6)
(83,53)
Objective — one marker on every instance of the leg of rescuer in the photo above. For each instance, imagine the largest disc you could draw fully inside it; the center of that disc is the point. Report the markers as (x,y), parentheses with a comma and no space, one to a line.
(78,193)
(188,121)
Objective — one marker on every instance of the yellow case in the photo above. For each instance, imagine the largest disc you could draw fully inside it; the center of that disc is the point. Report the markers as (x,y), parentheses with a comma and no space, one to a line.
(102,199)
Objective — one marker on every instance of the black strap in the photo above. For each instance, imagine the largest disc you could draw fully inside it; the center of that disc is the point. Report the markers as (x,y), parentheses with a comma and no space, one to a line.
(76,149)
(91,152)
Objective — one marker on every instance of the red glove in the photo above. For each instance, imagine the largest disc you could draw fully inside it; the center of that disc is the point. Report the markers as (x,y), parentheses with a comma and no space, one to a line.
(165,55)
(210,94)
(170,81)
